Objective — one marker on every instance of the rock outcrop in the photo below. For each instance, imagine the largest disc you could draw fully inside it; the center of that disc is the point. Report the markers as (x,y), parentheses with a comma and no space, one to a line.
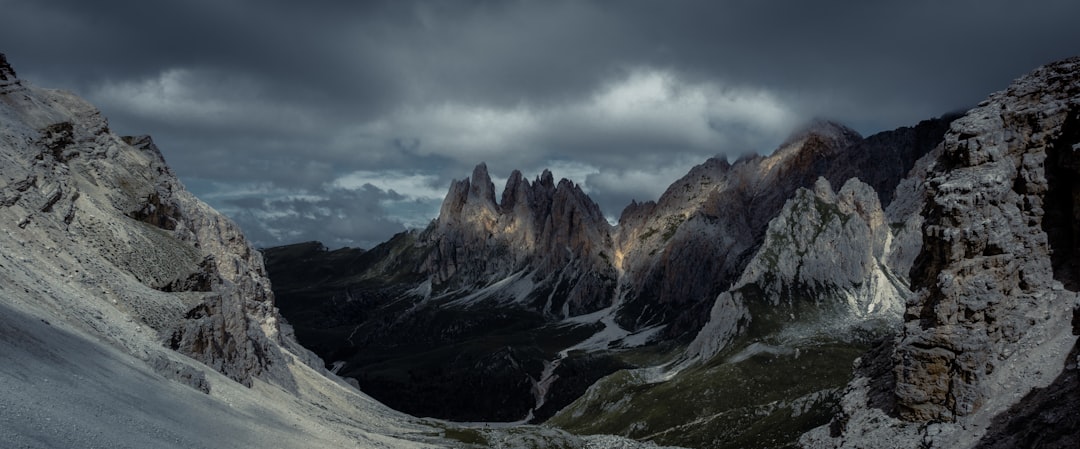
(822,270)
(7,75)
(995,280)
(553,234)
(679,253)
(67,180)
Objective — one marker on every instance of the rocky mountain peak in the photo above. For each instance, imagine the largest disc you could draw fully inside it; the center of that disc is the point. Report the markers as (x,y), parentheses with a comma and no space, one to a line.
(546,179)
(9,82)
(6,72)
(823,129)
(542,227)
(989,326)
(482,188)
(1003,202)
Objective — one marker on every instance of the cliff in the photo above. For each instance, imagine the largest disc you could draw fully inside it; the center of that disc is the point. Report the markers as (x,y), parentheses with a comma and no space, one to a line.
(992,321)
(553,234)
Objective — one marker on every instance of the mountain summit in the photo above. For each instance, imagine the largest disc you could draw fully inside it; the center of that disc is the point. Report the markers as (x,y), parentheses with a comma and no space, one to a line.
(552,238)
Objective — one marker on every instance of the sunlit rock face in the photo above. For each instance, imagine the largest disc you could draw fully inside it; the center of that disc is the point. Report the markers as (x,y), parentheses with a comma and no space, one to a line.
(553,233)
(994,283)
(679,253)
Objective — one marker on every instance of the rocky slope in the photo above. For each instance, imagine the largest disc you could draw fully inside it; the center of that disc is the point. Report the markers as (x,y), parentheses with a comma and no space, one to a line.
(66,177)
(110,270)
(681,251)
(990,335)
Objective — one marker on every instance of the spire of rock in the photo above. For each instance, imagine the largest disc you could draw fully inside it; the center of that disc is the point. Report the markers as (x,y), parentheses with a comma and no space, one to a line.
(546,180)
(516,191)
(482,187)
(6,72)
(8,80)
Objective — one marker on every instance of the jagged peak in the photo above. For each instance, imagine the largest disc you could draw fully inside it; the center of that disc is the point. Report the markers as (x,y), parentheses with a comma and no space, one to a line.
(6,72)
(482,187)
(9,82)
(546,179)
(517,187)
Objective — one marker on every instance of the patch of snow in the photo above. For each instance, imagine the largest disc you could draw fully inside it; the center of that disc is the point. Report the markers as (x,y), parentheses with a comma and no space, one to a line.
(337,366)
(759,348)
(513,288)
(423,290)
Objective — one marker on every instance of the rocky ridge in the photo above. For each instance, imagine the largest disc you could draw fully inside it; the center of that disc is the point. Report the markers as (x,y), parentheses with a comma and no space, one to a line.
(680,252)
(995,281)
(65,172)
(554,235)
(825,255)
(129,303)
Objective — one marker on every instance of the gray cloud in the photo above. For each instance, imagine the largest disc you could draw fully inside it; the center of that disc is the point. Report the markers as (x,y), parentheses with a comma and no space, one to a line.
(344,121)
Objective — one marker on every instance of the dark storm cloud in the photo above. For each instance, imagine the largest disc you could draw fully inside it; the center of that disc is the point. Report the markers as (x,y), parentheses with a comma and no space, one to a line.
(305,107)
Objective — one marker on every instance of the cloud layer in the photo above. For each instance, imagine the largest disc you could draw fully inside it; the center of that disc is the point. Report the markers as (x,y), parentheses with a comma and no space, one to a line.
(345,121)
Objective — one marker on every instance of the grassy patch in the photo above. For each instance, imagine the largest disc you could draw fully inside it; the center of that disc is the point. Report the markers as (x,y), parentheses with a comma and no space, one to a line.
(763,400)
(467,436)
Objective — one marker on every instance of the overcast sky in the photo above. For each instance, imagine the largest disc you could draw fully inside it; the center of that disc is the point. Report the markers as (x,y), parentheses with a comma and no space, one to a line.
(344,121)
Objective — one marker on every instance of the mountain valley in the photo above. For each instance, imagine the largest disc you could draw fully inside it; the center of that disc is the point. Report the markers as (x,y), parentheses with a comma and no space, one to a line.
(912,288)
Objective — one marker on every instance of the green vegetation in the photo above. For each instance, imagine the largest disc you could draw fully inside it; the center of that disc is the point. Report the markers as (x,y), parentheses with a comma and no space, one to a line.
(766,399)
(778,380)
(466,435)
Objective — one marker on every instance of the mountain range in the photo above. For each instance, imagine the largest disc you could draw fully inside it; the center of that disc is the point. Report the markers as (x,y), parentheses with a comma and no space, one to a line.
(912,288)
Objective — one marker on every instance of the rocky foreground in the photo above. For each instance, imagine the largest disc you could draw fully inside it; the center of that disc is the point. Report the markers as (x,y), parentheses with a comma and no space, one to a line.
(987,353)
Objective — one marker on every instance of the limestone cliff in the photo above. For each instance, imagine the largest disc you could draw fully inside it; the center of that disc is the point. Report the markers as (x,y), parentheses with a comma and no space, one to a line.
(822,270)
(552,235)
(112,210)
(995,281)
(679,253)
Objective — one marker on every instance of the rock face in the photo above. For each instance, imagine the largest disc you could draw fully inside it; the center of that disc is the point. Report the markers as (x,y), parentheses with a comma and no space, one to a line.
(7,74)
(995,280)
(679,253)
(985,274)
(67,179)
(555,233)
(824,262)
